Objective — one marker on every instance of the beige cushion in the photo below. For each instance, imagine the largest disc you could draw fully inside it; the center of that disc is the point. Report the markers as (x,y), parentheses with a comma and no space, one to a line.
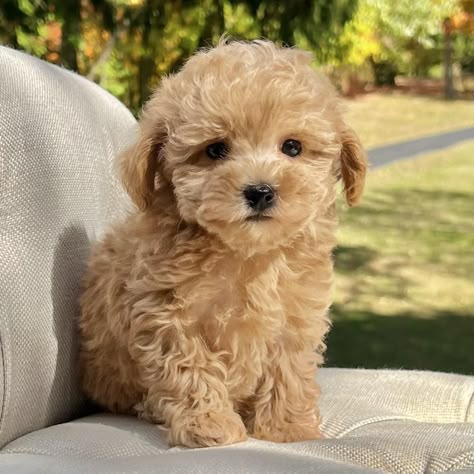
(393,421)
(58,136)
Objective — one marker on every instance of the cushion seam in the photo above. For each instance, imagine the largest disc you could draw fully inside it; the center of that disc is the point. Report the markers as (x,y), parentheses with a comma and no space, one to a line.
(69,455)
(4,382)
(469,404)
(372,421)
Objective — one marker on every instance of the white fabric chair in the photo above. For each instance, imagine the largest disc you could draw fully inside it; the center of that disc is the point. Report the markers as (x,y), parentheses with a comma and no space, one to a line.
(58,136)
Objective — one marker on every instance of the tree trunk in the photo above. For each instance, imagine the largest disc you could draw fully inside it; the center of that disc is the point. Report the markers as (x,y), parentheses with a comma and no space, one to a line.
(448,60)
(71,31)
(146,63)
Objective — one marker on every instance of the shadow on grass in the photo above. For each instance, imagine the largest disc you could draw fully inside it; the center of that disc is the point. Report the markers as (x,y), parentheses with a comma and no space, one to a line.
(444,342)
(353,258)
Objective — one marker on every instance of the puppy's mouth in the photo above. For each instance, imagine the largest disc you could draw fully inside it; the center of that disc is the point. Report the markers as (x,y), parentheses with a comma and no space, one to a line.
(258,218)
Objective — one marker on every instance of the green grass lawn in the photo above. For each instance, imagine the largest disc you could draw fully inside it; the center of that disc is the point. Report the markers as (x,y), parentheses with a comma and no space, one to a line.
(405,267)
(380,119)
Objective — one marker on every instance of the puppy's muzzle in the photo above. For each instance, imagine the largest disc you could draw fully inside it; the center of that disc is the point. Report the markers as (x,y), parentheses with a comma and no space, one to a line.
(260,197)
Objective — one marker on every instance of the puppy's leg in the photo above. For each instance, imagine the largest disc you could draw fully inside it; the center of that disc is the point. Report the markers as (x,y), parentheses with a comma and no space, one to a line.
(185,385)
(285,404)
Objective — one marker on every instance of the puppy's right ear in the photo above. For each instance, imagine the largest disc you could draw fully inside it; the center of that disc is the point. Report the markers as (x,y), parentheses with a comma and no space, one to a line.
(139,164)
(353,166)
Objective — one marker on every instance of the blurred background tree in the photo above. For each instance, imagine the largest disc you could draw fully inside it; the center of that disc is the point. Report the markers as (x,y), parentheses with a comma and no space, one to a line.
(127,45)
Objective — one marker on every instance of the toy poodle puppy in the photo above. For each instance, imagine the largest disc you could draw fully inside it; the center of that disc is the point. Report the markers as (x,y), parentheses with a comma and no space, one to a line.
(206,309)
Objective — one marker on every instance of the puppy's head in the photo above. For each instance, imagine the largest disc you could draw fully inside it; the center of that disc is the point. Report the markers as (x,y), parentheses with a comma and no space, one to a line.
(251,142)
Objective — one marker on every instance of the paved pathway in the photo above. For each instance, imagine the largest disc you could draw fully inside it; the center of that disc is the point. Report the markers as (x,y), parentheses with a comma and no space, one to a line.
(384,155)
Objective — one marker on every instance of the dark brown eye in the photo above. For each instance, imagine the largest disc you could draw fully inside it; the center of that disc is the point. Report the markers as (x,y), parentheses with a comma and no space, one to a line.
(217,151)
(291,147)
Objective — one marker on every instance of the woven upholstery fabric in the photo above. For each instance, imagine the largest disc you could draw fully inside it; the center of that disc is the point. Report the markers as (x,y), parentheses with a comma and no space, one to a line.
(219,461)
(58,135)
(391,421)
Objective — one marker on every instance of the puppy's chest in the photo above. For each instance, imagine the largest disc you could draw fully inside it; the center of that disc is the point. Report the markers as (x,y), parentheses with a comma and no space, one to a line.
(257,302)
(253,312)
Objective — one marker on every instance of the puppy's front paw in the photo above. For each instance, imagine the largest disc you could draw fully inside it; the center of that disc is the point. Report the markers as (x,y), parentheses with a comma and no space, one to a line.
(288,432)
(209,429)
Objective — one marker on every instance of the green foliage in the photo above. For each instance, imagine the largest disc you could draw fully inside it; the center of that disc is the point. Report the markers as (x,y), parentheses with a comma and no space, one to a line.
(33,42)
(409,34)
(27,7)
(127,45)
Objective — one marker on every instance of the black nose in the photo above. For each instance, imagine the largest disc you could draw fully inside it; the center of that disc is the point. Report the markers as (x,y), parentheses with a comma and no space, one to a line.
(259,197)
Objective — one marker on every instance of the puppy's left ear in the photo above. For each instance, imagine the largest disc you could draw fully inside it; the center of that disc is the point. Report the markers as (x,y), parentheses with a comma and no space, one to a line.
(353,166)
